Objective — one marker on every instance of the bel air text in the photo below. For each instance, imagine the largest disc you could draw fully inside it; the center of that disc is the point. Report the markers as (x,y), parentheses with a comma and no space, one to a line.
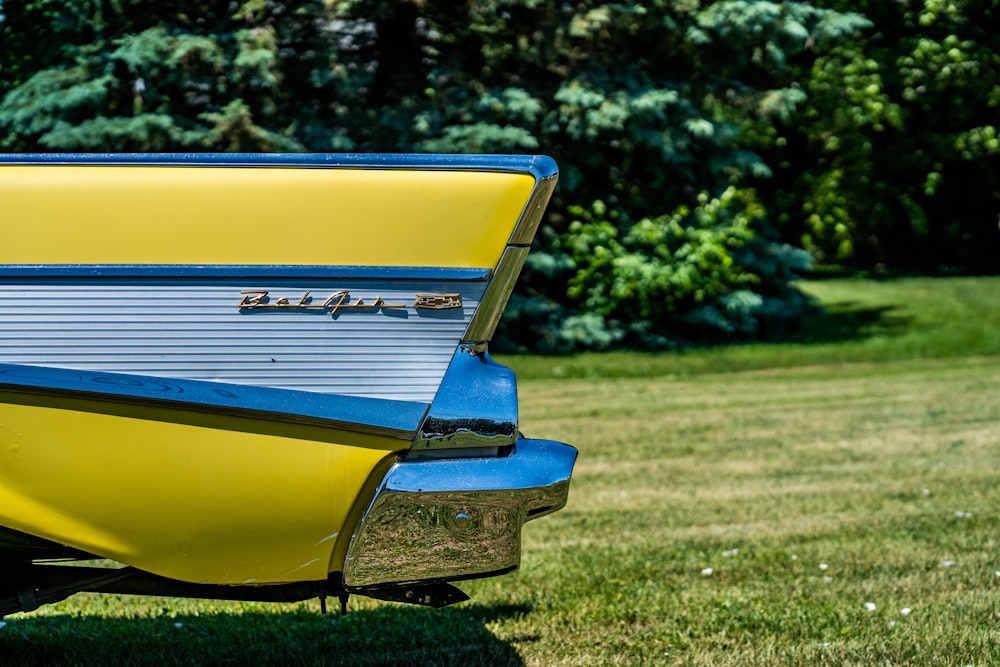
(341,300)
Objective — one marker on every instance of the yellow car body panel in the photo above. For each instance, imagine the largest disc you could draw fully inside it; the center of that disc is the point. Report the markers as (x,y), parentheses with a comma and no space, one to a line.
(190,496)
(71,214)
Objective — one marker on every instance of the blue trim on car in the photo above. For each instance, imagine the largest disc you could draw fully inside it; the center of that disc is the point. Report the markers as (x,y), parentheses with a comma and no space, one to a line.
(476,405)
(392,418)
(540,166)
(242,271)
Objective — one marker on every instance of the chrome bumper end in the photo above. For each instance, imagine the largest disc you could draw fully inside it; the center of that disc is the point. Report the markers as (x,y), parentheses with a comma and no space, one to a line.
(459,518)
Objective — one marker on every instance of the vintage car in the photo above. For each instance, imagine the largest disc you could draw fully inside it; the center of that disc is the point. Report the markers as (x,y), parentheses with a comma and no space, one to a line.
(263,377)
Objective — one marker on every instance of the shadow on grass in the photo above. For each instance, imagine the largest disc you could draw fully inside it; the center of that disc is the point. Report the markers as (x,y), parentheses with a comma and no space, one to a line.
(848,320)
(389,635)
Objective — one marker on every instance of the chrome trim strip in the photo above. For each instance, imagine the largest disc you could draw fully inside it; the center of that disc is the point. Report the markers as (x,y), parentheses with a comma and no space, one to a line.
(475,406)
(241,271)
(485,321)
(363,344)
(391,418)
(538,166)
(546,174)
(451,519)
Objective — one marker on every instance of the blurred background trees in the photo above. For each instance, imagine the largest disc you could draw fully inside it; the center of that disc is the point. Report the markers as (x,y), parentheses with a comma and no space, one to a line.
(709,151)
(892,158)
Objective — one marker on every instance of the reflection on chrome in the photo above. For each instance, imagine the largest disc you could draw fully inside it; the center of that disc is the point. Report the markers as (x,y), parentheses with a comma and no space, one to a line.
(476,405)
(485,321)
(450,519)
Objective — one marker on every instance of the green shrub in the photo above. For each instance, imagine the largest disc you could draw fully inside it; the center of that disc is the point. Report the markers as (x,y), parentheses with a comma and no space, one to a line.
(705,274)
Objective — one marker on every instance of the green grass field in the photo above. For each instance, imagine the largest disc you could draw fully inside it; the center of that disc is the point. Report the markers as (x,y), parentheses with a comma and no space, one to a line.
(832,501)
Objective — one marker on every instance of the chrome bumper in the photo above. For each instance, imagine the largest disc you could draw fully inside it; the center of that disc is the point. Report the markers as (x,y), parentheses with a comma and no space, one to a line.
(460,518)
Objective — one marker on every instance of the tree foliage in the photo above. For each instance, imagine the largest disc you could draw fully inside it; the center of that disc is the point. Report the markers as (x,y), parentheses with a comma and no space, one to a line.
(892,157)
(668,119)
(145,76)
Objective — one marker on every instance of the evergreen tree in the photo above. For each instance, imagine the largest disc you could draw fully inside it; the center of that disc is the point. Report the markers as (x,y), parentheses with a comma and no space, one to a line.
(147,76)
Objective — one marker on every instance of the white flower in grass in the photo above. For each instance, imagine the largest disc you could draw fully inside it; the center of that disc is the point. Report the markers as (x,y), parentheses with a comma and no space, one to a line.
(707,571)
(827,579)
(927,492)
(905,611)
(947,563)
(963,515)
(731,552)
(823,566)
(892,624)
(997,573)
(870,606)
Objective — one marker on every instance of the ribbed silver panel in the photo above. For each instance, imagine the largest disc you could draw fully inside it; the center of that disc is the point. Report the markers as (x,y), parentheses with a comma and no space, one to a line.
(195,329)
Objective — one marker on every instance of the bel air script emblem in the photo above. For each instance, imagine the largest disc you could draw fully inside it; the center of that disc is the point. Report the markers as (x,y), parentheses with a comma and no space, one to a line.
(341,301)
